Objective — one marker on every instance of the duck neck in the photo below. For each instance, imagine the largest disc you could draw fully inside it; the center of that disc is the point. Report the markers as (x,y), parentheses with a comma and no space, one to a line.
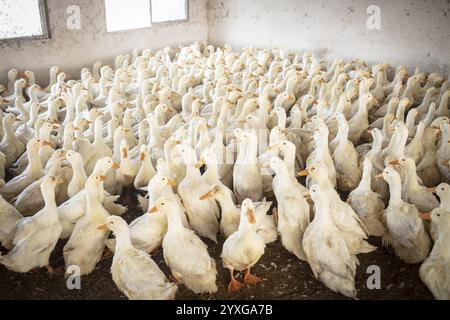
(123,241)
(34,163)
(79,174)
(9,133)
(192,172)
(443,105)
(395,189)
(366,180)
(174,222)
(411,180)
(49,199)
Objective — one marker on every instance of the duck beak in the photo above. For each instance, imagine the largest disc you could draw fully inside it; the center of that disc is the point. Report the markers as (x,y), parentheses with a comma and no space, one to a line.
(103,178)
(251,216)
(394,162)
(177,142)
(369,131)
(142,156)
(303,173)
(103,227)
(125,152)
(272,147)
(127,130)
(46,143)
(425,216)
(153,210)
(445,162)
(76,128)
(206,196)
(200,164)
(115,165)
(379,176)
(59,181)
(432,190)
(171,182)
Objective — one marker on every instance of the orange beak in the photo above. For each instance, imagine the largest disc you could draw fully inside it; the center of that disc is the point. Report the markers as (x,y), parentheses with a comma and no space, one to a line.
(394,162)
(251,216)
(125,152)
(103,178)
(379,176)
(171,182)
(425,216)
(200,164)
(433,190)
(47,143)
(142,157)
(303,173)
(445,162)
(115,165)
(206,196)
(103,227)
(153,210)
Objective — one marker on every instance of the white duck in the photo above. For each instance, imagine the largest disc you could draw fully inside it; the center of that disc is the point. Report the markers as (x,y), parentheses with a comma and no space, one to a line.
(35,237)
(134,271)
(293,214)
(202,214)
(243,248)
(326,248)
(367,203)
(8,219)
(10,145)
(412,191)
(184,252)
(247,179)
(434,272)
(86,243)
(406,231)
(230,214)
(345,158)
(33,172)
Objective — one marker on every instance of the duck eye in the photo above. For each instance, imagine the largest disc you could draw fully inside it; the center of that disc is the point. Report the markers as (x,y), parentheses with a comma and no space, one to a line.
(438,214)
(162,203)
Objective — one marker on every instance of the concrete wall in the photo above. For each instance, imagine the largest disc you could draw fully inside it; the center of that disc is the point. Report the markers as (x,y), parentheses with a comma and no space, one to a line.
(74,49)
(414,33)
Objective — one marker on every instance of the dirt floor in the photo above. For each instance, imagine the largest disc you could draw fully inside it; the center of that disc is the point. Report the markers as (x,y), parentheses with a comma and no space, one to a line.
(283,275)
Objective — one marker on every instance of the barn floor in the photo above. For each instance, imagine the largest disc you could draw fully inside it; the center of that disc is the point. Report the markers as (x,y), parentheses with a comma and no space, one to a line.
(284,277)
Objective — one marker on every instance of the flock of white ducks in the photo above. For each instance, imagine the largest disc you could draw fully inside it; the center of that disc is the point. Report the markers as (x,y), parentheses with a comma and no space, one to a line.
(207,135)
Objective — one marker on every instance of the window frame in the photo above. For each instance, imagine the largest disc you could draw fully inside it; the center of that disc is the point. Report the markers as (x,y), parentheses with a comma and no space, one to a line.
(45,24)
(157,24)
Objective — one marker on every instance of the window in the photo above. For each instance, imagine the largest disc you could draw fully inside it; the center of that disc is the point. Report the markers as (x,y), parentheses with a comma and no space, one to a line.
(126,15)
(23,19)
(134,14)
(169,10)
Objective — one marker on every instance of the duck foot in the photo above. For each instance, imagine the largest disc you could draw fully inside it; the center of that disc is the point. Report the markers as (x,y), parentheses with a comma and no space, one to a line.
(251,279)
(50,269)
(234,286)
